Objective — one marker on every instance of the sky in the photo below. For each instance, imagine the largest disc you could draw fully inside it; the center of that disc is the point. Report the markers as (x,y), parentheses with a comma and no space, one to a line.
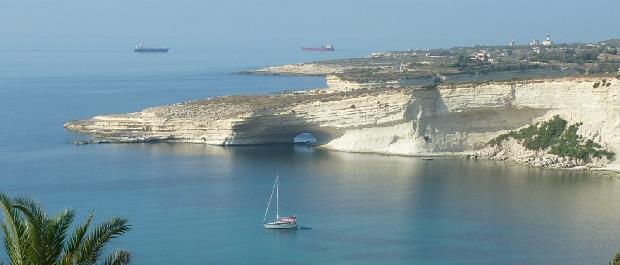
(380,25)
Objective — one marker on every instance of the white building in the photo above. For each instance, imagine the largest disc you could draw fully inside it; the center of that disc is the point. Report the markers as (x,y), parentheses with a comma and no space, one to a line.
(547,41)
(482,56)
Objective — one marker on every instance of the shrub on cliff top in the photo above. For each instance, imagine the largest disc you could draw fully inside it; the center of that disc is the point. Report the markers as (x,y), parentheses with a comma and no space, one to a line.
(555,136)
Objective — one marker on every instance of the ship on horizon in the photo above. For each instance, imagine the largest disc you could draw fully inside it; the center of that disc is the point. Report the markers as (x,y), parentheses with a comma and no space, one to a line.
(140,48)
(325,48)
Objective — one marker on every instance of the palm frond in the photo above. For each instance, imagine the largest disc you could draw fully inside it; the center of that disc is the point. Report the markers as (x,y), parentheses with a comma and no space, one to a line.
(119,257)
(93,245)
(36,228)
(12,249)
(33,238)
(14,230)
(74,243)
(56,235)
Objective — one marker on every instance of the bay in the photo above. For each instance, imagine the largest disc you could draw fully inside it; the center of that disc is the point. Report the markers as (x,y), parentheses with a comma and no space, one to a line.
(196,204)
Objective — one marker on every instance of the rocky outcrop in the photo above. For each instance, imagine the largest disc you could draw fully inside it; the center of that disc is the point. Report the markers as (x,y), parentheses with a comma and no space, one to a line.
(456,119)
(515,151)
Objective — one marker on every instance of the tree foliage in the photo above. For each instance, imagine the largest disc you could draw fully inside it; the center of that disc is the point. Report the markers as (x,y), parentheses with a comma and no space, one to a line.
(461,60)
(553,135)
(31,237)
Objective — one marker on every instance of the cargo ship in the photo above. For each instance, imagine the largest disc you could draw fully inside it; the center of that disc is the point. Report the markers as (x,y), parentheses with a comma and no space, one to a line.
(140,48)
(325,48)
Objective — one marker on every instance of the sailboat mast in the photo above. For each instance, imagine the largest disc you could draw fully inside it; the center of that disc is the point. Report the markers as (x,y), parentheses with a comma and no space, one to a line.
(270,197)
(278,196)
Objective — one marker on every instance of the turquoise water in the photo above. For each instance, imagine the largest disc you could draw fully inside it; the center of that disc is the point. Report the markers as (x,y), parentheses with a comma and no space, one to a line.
(195,204)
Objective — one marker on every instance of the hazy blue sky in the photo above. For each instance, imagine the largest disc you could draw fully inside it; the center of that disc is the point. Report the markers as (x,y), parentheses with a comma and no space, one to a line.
(386,24)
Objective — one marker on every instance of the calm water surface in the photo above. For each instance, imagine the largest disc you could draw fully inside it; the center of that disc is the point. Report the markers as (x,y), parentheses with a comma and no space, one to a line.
(195,204)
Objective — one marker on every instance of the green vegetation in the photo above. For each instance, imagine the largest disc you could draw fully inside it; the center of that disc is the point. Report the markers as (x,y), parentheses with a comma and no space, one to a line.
(485,69)
(568,55)
(616,260)
(555,136)
(33,238)
(461,60)
(537,136)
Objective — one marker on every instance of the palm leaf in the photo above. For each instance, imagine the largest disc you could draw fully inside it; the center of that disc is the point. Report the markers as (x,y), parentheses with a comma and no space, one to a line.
(56,235)
(93,245)
(36,227)
(75,242)
(33,238)
(120,257)
(14,231)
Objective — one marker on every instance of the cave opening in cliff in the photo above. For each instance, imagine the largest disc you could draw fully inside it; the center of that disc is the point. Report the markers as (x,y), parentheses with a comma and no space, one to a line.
(304,138)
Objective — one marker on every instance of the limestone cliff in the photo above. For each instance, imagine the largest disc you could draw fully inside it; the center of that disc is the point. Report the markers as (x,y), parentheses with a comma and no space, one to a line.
(455,119)
(337,84)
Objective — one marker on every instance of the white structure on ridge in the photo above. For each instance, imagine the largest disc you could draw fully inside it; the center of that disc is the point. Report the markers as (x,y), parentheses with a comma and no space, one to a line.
(547,41)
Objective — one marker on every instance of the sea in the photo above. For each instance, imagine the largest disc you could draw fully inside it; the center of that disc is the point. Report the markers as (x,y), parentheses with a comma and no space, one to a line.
(199,204)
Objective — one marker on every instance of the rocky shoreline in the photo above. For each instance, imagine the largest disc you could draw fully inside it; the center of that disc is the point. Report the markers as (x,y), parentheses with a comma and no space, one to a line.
(515,152)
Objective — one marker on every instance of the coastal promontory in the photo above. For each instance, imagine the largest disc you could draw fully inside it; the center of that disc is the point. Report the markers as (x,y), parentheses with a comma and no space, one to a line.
(376,106)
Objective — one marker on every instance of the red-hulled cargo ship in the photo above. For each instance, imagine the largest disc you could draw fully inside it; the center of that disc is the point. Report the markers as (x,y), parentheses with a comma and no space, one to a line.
(325,48)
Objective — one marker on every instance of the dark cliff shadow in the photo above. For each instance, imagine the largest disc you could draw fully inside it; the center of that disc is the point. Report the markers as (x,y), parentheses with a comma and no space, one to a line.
(433,118)
(279,129)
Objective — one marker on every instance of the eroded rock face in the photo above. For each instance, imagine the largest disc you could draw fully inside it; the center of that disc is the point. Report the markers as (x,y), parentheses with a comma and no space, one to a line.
(457,119)
(252,119)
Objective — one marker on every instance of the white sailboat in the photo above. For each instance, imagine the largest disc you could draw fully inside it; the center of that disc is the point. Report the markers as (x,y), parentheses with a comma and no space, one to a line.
(284,222)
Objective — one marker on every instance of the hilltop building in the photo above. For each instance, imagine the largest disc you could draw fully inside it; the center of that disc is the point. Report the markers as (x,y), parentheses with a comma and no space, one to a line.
(547,41)
(482,56)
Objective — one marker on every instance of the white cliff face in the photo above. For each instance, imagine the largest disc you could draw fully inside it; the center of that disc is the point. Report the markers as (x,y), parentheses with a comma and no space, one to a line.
(578,101)
(461,119)
(457,119)
(337,84)
(252,119)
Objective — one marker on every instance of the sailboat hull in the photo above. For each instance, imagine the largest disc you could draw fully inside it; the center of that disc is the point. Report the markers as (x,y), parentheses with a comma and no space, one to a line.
(280,225)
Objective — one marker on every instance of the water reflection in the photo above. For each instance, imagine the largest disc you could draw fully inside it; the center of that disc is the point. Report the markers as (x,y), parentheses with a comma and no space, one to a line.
(362,208)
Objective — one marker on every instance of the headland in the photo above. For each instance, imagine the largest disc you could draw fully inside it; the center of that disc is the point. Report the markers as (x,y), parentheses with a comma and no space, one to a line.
(555,105)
